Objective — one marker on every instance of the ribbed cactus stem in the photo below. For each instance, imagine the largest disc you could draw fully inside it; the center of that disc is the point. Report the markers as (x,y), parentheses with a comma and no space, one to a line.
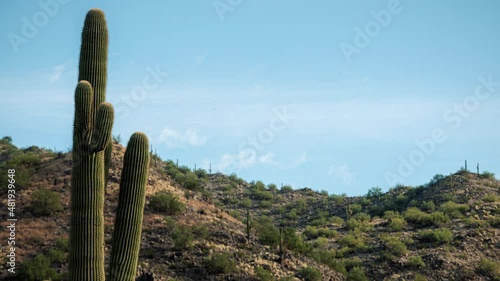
(93,65)
(128,224)
(86,258)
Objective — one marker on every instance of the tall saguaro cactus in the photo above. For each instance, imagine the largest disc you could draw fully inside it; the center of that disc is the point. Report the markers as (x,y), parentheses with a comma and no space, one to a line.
(93,65)
(91,138)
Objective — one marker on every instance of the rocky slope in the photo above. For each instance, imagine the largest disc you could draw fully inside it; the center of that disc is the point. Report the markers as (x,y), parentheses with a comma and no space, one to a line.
(454,235)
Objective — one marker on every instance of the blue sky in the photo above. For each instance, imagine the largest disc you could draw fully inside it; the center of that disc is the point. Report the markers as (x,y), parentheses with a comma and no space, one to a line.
(333,95)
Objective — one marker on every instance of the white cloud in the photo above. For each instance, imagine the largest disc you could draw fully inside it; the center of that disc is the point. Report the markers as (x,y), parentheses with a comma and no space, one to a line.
(58,70)
(343,173)
(246,159)
(174,138)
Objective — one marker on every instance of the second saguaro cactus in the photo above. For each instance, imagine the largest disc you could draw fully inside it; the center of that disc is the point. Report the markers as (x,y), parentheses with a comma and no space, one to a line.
(91,138)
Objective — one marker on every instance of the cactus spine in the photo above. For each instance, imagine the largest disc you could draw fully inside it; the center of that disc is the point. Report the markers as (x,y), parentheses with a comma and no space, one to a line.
(91,145)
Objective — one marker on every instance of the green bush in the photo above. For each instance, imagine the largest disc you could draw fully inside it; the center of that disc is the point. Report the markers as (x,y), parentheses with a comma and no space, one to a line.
(490,198)
(415,216)
(428,206)
(419,277)
(263,274)
(396,224)
(353,224)
(265,204)
(352,240)
(489,268)
(246,203)
(453,209)
(487,175)
(356,208)
(357,274)
(395,247)
(267,232)
(166,202)
(182,238)
(336,220)
(416,262)
(438,236)
(45,202)
(439,218)
(494,221)
(38,269)
(310,274)
(220,263)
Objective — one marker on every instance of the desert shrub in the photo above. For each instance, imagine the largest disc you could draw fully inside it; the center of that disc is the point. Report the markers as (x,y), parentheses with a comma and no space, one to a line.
(396,224)
(337,199)
(182,238)
(494,221)
(439,218)
(265,204)
(472,222)
(294,242)
(352,240)
(201,173)
(357,274)
(356,208)
(38,269)
(310,274)
(361,217)
(320,243)
(395,247)
(415,216)
(328,257)
(200,231)
(292,215)
(246,203)
(437,236)
(192,182)
(428,206)
(489,268)
(220,263)
(45,202)
(263,274)
(286,189)
(419,277)
(416,262)
(259,194)
(336,220)
(166,202)
(487,175)
(453,209)
(392,214)
(235,214)
(286,278)
(490,198)
(353,224)
(267,232)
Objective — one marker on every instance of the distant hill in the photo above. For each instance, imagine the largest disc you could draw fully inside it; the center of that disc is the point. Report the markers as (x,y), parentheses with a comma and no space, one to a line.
(195,225)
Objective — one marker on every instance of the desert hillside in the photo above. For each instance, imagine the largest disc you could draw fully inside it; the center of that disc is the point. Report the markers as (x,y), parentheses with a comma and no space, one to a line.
(201,226)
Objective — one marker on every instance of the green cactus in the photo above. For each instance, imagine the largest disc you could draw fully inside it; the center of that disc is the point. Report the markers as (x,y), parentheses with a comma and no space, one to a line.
(127,233)
(93,65)
(91,142)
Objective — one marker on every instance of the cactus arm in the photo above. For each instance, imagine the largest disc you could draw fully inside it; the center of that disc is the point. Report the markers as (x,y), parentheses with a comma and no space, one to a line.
(83,112)
(129,216)
(104,123)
